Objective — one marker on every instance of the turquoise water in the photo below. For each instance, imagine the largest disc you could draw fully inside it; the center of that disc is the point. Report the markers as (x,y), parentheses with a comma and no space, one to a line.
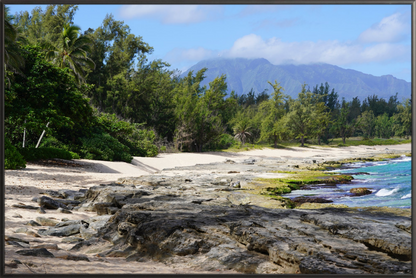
(389,181)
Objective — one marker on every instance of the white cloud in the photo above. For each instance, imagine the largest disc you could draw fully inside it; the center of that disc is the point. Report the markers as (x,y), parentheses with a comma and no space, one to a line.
(173,14)
(305,52)
(332,52)
(256,9)
(393,28)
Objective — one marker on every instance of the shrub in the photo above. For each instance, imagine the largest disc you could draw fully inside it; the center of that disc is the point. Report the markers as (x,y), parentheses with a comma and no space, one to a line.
(33,154)
(101,146)
(12,158)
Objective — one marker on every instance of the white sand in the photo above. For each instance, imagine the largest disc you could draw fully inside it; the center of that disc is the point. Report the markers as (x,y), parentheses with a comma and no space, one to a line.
(23,185)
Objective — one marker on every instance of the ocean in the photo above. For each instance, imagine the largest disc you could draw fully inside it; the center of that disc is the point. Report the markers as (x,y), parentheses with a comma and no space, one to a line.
(390,183)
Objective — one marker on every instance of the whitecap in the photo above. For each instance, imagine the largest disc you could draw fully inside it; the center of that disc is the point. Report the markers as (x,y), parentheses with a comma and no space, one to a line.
(385,192)
(407,196)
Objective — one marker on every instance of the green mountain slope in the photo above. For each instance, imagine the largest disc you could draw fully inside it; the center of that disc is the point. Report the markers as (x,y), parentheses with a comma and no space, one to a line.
(245,74)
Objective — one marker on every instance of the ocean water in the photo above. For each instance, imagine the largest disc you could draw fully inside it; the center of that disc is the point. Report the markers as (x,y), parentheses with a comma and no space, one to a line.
(389,181)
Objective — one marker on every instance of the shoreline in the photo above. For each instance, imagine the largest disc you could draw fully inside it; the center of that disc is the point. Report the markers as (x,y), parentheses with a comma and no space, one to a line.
(23,185)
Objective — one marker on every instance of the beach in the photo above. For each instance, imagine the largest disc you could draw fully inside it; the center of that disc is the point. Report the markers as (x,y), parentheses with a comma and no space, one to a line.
(21,186)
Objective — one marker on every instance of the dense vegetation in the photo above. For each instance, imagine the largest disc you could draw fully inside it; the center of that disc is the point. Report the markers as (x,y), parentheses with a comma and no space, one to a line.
(97,96)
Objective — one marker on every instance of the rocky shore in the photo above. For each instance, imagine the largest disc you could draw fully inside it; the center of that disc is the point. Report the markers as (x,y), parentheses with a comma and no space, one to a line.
(210,218)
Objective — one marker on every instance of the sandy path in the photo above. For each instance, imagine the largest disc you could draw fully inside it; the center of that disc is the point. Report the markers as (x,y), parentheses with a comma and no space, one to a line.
(22,185)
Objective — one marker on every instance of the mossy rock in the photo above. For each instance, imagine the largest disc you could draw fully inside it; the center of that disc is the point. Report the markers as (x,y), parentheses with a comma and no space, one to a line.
(360,191)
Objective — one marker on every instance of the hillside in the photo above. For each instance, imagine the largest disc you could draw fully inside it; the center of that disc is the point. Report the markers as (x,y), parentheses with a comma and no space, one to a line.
(245,74)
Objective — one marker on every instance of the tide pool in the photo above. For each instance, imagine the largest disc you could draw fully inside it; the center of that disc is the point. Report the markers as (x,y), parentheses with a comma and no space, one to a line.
(390,183)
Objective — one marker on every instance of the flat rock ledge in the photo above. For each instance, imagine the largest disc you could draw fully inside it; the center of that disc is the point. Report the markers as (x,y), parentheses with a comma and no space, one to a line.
(208,223)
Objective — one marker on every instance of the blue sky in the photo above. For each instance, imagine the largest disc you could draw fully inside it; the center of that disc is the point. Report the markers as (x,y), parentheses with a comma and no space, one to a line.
(374,39)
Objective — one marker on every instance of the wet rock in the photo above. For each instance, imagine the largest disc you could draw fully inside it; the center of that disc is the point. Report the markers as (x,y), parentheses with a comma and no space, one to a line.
(41,252)
(17,216)
(301,200)
(360,191)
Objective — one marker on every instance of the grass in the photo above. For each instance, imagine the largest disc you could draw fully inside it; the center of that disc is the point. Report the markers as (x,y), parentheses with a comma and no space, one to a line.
(336,142)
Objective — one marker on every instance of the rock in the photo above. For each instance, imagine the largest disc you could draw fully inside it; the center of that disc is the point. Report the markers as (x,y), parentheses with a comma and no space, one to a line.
(61,210)
(33,223)
(49,203)
(16,215)
(41,252)
(360,191)
(61,231)
(301,200)
(27,231)
(68,222)
(23,206)
(74,257)
(18,244)
(102,208)
(41,210)
(10,238)
(72,239)
(46,246)
(235,184)
(52,194)
(43,221)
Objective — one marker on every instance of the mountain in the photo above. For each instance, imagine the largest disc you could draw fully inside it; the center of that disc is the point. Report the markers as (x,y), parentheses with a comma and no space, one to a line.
(245,74)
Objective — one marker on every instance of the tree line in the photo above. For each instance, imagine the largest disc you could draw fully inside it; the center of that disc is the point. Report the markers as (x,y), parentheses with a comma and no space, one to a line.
(97,94)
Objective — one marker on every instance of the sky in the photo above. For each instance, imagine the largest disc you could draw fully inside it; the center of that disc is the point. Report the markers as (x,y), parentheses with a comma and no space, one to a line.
(374,39)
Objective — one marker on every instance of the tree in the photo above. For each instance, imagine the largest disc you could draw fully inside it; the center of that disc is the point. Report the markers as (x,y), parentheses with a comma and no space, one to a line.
(341,126)
(272,111)
(242,125)
(367,123)
(384,126)
(45,25)
(13,59)
(300,117)
(48,94)
(404,119)
(321,118)
(71,51)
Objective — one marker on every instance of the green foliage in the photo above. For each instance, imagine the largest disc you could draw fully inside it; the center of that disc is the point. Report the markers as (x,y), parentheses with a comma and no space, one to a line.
(101,146)
(70,51)
(272,111)
(367,124)
(48,94)
(199,111)
(33,154)
(12,158)
(384,126)
(141,142)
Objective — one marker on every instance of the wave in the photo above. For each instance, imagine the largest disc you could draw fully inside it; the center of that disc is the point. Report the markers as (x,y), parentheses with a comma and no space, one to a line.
(385,192)
(407,196)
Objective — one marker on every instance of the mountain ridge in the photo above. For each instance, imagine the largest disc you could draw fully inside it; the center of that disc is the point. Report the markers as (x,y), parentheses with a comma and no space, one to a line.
(246,74)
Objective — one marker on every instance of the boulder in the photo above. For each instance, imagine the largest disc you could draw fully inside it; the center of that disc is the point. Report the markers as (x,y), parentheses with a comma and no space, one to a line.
(40,252)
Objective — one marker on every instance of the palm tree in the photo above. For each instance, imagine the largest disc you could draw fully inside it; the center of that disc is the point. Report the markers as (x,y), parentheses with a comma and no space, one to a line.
(13,59)
(71,51)
(241,130)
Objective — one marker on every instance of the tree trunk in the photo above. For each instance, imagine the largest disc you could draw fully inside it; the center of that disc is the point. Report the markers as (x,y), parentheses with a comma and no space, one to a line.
(275,140)
(302,141)
(40,139)
(343,139)
(319,140)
